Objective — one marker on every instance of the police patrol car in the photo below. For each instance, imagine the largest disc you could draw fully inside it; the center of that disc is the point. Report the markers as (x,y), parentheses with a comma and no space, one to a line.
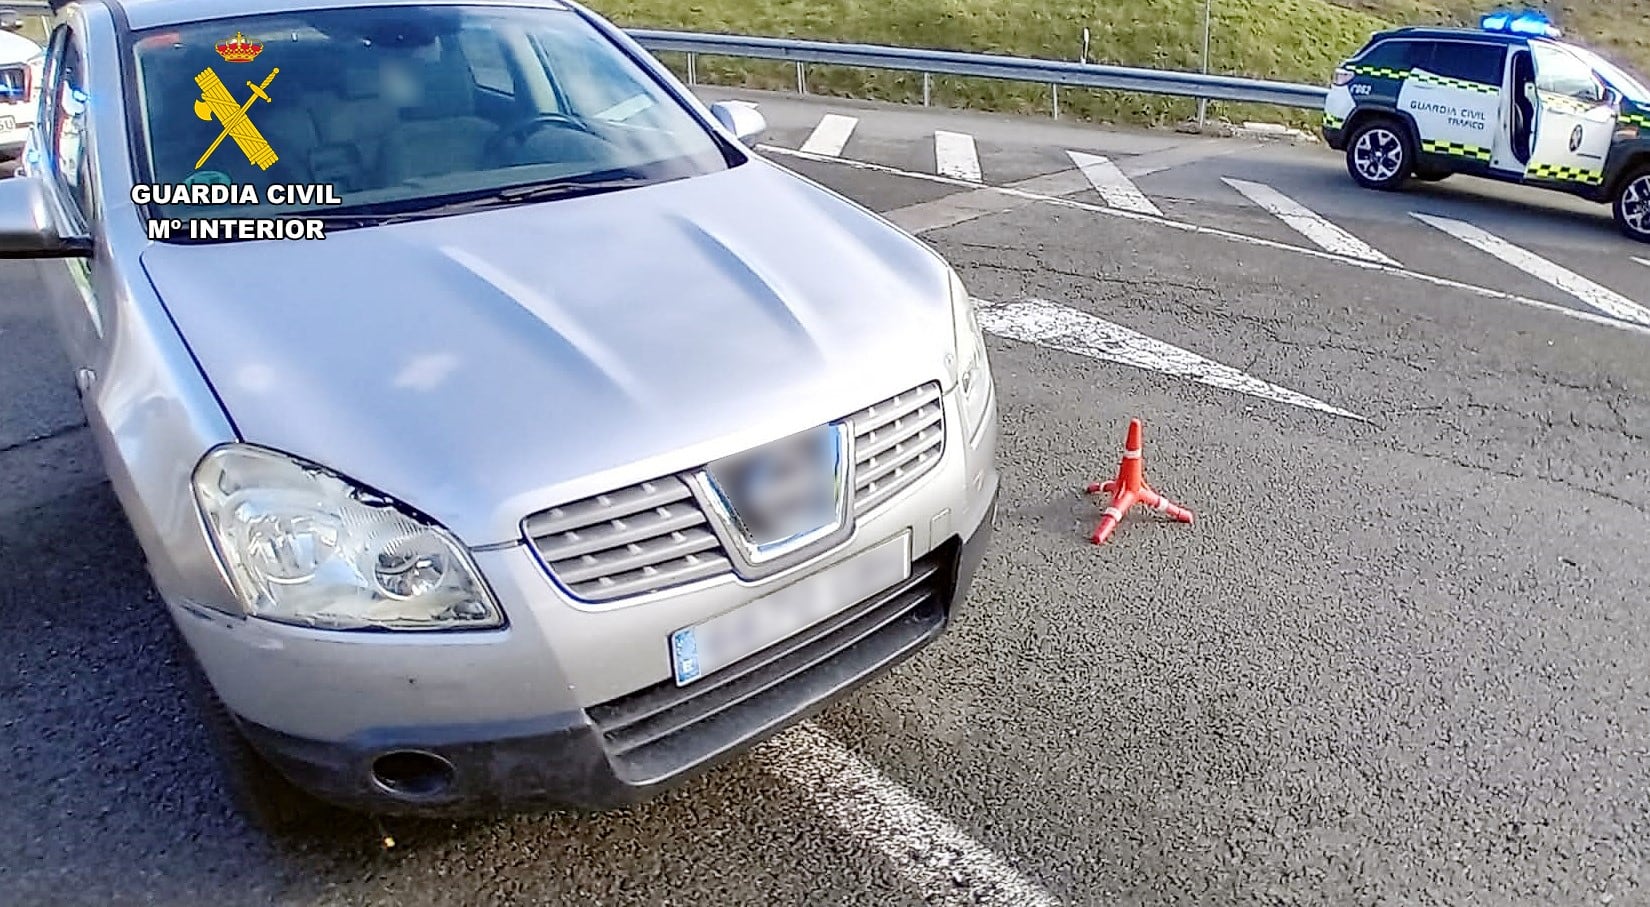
(1507,101)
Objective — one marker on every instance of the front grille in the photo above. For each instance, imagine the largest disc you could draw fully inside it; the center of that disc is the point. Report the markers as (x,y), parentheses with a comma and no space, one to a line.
(896,442)
(664,730)
(655,535)
(639,539)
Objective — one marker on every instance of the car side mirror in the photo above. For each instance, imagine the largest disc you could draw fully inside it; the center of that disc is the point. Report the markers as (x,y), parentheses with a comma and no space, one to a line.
(1612,97)
(26,227)
(740,118)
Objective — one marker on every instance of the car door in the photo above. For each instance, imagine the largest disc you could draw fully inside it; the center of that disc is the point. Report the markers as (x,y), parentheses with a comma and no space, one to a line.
(64,152)
(1574,122)
(1454,95)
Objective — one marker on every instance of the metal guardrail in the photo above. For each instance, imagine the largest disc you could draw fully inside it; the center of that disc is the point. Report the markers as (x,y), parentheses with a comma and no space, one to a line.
(985,66)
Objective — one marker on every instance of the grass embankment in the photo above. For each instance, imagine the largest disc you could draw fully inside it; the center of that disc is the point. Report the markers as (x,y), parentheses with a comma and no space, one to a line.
(1291,40)
(1617,28)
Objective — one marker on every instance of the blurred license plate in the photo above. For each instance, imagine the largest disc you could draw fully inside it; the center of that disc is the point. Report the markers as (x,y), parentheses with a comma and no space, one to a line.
(708,647)
(7,124)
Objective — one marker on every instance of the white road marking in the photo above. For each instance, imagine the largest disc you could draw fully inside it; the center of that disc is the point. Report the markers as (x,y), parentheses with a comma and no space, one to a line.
(1064,328)
(1397,271)
(1643,261)
(1605,300)
(831,135)
(1118,190)
(936,857)
(955,156)
(1306,222)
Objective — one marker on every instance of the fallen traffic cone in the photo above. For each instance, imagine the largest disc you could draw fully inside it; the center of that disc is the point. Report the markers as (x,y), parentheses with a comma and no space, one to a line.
(1130,488)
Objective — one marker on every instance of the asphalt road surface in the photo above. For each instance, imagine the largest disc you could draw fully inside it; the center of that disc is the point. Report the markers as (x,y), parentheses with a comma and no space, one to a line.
(1398,659)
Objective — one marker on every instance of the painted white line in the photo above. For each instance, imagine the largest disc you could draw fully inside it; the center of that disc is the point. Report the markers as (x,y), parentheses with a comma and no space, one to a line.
(1306,222)
(1643,261)
(1118,190)
(1064,328)
(1397,271)
(955,156)
(1605,300)
(831,135)
(936,857)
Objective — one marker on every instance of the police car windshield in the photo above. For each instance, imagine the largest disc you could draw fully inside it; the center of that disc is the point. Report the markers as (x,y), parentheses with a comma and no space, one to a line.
(1620,79)
(392,108)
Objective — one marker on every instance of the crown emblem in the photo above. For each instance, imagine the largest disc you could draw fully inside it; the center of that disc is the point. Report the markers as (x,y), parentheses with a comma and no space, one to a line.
(240,49)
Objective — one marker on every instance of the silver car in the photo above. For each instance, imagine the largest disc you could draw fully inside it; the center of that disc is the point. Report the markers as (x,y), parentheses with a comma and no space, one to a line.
(500,431)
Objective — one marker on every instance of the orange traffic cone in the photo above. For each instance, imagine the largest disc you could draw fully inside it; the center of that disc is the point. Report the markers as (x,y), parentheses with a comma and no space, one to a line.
(1130,488)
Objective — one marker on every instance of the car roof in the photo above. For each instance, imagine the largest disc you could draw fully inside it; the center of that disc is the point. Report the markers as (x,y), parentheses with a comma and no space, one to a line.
(1441,33)
(142,14)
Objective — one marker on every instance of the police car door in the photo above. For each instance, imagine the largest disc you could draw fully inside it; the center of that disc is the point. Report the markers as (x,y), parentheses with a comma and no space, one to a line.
(1454,95)
(1574,124)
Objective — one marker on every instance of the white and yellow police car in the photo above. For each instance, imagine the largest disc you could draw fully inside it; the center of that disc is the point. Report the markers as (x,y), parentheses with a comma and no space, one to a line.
(1508,101)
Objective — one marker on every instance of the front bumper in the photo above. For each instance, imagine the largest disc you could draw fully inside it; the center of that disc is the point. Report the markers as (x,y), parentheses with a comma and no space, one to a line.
(627,749)
(1335,138)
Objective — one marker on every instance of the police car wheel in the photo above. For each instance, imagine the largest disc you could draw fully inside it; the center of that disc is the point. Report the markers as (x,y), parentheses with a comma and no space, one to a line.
(1380,155)
(1633,206)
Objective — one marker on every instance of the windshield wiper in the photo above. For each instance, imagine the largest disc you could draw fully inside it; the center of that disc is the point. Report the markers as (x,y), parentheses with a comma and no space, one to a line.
(512,195)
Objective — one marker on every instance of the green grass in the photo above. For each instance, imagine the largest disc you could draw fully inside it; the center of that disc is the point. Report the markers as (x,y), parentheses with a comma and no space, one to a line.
(1291,40)
(1619,29)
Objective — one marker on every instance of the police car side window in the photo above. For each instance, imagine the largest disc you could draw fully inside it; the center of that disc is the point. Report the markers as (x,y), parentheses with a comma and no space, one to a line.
(1391,55)
(1559,73)
(1470,62)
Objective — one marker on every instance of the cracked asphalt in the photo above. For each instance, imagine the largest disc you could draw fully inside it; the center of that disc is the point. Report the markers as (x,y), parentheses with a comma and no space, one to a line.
(1394,662)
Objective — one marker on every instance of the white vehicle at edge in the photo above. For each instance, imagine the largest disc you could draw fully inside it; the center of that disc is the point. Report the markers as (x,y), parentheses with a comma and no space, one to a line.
(21,62)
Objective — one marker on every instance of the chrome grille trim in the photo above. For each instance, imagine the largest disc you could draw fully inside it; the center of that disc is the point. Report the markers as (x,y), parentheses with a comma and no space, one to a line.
(896,442)
(628,542)
(655,535)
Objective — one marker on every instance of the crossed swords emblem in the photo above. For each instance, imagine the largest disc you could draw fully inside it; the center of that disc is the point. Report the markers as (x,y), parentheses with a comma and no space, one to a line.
(217,102)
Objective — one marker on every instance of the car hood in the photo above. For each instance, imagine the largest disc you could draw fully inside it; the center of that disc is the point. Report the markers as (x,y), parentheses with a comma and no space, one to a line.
(483,367)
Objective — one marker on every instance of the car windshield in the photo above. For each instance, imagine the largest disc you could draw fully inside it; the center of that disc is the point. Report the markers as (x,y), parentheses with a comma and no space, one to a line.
(402,108)
(1620,79)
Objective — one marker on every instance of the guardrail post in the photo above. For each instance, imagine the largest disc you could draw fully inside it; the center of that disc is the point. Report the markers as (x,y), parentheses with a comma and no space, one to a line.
(1055,87)
(801,79)
(927,87)
(693,68)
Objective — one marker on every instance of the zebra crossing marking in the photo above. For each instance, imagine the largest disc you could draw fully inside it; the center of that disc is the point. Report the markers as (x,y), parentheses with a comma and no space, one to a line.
(1058,201)
(1306,222)
(955,156)
(831,135)
(1601,298)
(1118,190)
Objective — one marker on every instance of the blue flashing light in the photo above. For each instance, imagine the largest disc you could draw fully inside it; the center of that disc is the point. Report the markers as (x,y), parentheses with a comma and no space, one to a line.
(1530,22)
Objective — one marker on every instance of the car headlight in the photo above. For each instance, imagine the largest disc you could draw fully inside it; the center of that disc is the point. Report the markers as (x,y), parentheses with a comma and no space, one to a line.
(305,546)
(973,369)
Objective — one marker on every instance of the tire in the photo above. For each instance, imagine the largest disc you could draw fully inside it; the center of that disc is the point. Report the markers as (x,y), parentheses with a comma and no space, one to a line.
(1380,154)
(1632,205)
(263,796)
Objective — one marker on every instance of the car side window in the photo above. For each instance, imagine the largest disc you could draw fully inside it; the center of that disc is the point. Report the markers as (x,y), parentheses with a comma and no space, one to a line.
(67,128)
(486,61)
(1398,55)
(1471,62)
(1559,73)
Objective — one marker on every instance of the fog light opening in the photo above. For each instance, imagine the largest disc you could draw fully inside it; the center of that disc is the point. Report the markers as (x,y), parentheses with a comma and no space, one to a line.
(410,773)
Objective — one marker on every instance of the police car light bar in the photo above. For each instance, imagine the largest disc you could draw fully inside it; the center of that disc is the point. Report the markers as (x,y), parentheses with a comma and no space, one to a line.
(1530,22)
